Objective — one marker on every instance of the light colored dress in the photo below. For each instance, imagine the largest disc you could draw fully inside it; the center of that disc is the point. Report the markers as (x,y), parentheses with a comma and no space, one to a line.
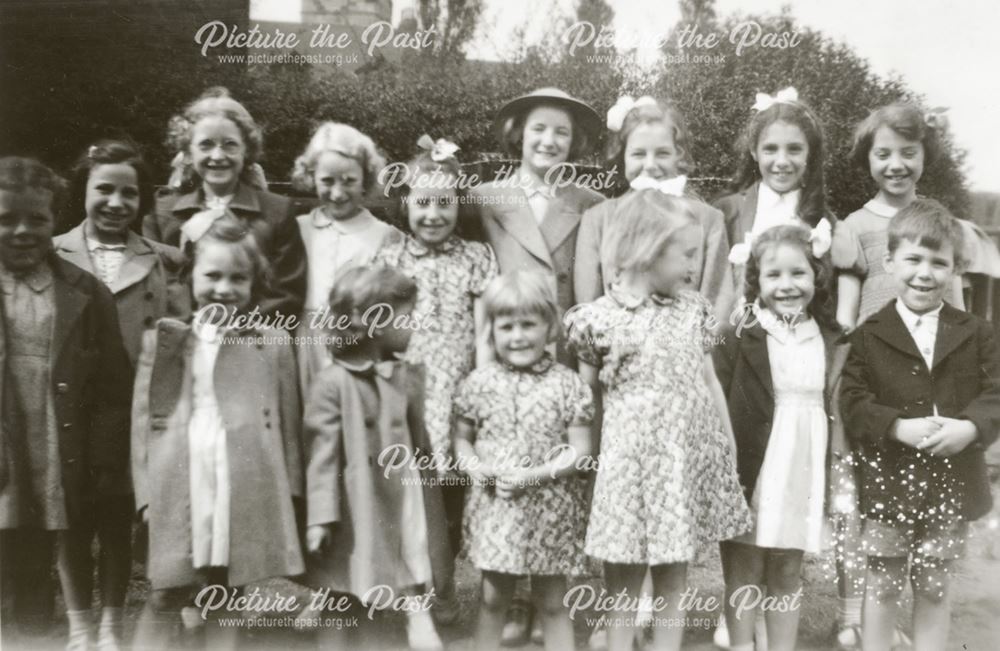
(208,457)
(524,414)
(35,488)
(332,246)
(667,481)
(789,494)
(449,279)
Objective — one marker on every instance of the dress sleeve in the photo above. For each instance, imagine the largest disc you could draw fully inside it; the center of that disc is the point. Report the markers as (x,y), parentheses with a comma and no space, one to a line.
(585,335)
(845,251)
(465,404)
(484,267)
(708,326)
(323,441)
(578,407)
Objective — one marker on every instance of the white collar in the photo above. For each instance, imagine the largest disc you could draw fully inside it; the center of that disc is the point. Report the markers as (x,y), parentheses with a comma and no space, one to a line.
(881,208)
(910,317)
(94,245)
(769,199)
(359,222)
(802,329)
(532,185)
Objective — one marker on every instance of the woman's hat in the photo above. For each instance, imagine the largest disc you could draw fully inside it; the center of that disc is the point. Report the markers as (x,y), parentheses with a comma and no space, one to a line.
(584,115)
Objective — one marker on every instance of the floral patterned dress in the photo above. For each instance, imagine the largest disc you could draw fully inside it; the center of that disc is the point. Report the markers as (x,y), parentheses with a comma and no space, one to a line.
(523,415)
(449,278)
(666,483)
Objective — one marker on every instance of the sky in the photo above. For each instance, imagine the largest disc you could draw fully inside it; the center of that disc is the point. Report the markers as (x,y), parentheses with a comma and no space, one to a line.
(946,50)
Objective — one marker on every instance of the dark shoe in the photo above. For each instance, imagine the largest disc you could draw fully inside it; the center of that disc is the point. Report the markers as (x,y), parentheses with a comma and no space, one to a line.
(517,629)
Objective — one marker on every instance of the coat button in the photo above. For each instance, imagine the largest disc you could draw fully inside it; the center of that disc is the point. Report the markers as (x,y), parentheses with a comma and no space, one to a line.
(148,322)
(562,276)
(267,411)
(67,425)
(267,424)
(149,296)
(70,460)
(62,387)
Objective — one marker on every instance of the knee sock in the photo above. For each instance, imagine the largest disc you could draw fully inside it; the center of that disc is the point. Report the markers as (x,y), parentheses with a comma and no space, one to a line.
(849,611)
(79,628)
(109,631)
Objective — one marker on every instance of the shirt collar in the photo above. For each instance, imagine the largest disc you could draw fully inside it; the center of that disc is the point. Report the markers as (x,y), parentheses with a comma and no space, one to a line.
(910,317)
(632,301)
(96,245)
(419,249)
(784,330)
(38,279)
(769,200)
(383,369)
(245,199)
(359,222)
(541,366)
(533,186)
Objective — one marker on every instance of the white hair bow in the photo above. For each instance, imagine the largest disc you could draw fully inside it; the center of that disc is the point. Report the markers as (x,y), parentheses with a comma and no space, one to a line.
(198,224)
(439,150)
(820,239)
(674,187)
(621,109)
(765,101)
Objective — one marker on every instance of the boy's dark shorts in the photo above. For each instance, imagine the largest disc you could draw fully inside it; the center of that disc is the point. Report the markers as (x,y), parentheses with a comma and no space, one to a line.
(944,540)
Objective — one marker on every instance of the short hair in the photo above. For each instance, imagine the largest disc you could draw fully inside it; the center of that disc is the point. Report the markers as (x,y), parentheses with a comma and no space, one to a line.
(512,131)
(217,102)
(230,230)
(108,152)
(342,139)
(522,292)
(642,225)
(359,289)
(822,305)
(928,223)
(906,120)
(467,226)
(18,174)
(662,112)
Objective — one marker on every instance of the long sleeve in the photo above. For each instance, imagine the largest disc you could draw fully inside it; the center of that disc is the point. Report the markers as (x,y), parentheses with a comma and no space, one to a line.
(588,274)
(323,438)
(141,419)
(111,390)
(866,419)
(717,283)
(984,410)
(291,418)
(287,255)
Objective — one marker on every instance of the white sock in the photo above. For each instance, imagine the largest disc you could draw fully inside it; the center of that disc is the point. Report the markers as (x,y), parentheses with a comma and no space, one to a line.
(742,647)
(111,621)
(79,625)
(849,611)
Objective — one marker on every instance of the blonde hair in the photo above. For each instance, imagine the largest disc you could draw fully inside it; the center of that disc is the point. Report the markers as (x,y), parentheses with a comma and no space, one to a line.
(342,139)
(642,226)
(522,292)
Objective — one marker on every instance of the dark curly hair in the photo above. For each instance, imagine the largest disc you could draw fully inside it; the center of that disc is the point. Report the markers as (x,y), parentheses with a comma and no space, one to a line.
(906,120)
(108,152)
(822,306)
(812,203)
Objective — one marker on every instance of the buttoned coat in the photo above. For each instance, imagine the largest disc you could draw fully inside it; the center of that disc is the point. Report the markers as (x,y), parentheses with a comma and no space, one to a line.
(744,370)
(353,417)
(256,387)
(714,276)
(886,378)
(270,216)
(91,381)
(148,285)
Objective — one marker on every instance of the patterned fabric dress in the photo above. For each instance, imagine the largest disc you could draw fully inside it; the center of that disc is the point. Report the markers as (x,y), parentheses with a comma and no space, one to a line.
(667,482)
(518,415)
(449,278)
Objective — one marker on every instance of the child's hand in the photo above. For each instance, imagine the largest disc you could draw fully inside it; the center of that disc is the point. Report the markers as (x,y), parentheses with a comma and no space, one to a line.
(317,538)
(912,431)
(481,472)
(953,436)
(513,483)
(144,514)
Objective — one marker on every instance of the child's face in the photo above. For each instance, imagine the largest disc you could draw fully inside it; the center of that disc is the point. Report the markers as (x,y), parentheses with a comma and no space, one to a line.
(339,185)
(781,155)
(651,151)
(432,212)
(395,337)
(218,153)
(26,225)
(787,280)
(895,162)
(519,339)
(548,135)
(221,275)
(112,199)
(922,274)
(674,269)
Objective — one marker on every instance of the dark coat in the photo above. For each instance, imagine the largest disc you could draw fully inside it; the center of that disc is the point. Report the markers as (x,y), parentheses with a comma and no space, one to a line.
(886,378)
(92,387)
(272,219)
(256,386)
(744,371)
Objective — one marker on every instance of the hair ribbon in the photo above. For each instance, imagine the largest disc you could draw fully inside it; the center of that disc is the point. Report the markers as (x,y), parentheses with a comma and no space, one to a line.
(621,109)
(440,150)
(673,187)
(786,96)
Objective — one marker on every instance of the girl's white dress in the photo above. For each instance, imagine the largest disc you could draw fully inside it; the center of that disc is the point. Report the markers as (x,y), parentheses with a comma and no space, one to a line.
(788,497)
(208,458)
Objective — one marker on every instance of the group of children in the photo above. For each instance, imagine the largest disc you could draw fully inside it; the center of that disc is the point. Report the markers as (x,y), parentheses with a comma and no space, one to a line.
(506,337)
